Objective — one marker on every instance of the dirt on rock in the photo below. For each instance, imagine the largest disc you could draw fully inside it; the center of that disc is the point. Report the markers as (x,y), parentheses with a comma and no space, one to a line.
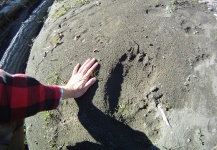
(157,79)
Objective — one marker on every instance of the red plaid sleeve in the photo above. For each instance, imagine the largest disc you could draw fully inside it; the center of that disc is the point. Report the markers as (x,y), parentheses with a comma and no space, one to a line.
(22,96)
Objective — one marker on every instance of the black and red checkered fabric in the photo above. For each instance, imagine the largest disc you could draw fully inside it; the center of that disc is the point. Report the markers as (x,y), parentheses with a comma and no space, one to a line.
(22,96)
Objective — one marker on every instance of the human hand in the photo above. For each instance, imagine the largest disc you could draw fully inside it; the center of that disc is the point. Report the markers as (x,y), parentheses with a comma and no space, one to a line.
(80,80)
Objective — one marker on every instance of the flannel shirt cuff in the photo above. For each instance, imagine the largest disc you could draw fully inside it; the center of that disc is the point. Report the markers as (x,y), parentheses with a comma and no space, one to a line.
(61,96)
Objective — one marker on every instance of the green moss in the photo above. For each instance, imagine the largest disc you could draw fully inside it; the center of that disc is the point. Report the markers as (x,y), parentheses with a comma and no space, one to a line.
(81,2)
(62,11)
(122,108)
(171,7)
(43,20)
(95,74)
(24,131)
(53,78)
(216,37)
(54,41)
(67,5)
(46,114)
(58,0)
(168,107)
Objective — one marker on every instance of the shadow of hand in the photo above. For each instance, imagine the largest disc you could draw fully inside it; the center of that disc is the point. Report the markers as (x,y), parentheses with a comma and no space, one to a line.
(111,133)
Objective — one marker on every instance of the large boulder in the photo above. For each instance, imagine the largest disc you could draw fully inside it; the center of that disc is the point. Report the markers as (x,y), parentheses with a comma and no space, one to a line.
(156,81)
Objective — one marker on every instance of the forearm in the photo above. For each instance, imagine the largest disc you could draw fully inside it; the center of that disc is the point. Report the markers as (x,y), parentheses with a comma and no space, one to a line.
(22,96)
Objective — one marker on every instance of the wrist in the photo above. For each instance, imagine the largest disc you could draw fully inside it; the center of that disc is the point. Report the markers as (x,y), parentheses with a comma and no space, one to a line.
(66,93)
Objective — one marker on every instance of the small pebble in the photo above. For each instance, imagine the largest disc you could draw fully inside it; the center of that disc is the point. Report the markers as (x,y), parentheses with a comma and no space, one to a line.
(98,3)
(196,32)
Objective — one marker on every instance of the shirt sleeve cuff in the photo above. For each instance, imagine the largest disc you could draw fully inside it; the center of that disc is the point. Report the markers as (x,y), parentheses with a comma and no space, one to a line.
(61,95)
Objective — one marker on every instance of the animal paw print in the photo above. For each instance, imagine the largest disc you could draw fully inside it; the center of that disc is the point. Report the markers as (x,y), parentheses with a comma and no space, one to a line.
(140,59)
(129,75)
(102,40)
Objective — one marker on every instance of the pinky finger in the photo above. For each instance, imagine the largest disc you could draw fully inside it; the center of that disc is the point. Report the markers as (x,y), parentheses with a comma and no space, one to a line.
(75,71)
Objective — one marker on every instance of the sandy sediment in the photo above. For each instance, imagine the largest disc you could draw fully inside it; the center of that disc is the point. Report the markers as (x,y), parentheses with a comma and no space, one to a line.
(156,81)
(212,6)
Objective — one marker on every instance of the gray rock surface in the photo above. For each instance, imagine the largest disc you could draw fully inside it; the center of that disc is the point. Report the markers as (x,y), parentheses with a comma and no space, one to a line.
(139,45)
